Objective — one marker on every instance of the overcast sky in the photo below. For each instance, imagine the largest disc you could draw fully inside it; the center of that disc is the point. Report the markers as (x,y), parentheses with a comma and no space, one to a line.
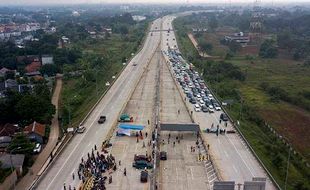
(41,2)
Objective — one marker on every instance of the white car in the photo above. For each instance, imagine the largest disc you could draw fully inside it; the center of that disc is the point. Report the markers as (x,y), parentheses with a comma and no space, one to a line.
(217,107)
(211,110)
(197,109)
(201,103)
(37,148)
(197,106)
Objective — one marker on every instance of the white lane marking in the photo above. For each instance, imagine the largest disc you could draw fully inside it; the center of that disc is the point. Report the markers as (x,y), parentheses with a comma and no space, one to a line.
(218,140)
(235,169)
(241,157)
(191,173)
(226,153)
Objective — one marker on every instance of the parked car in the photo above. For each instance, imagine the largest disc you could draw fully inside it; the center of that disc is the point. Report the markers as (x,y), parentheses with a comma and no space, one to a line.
(142,164)
(163,155)
(141,157)
(217,107)
(204,108)
(80,129)
(223,117)
(102,119)
(144,176)
(197,109)
(192,100)
(37,148)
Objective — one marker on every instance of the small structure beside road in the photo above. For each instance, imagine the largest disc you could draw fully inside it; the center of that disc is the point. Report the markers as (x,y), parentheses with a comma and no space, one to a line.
(35,132)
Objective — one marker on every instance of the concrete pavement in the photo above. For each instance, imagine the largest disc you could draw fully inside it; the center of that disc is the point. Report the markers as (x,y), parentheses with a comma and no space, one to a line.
(181,170)
(111,106)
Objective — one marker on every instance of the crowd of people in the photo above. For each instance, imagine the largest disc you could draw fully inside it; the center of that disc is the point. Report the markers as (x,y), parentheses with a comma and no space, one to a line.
(97,166)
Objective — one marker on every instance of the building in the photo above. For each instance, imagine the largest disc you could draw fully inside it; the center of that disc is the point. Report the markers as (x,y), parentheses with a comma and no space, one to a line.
(33,67)
(47,59)
(13,160)
(11,84)
(4,143)
(35,132)
(239,37)
(8,129)
(3,71)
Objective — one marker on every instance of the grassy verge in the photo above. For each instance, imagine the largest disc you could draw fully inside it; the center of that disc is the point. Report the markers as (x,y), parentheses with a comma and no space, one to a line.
(79,94)
(258,105)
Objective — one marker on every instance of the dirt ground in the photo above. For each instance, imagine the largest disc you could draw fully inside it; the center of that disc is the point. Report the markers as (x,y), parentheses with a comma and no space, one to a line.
(292,123)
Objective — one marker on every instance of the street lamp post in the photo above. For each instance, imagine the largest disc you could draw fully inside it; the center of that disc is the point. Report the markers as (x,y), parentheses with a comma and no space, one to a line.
(12,162)
(287,167)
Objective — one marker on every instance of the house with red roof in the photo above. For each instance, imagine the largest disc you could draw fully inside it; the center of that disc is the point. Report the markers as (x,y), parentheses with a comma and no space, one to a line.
(33,67)
(35,132)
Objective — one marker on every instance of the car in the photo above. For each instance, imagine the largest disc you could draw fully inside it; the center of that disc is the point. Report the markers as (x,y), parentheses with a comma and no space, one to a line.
(37,148)
(197,106)
(192,100)
(144,176)
(223,117)
(142,164)
(141,157)
(201,103)
(80,129)
(163,155)
(102,119)
(204,108)
(211,110)
(217,107)
(197,109)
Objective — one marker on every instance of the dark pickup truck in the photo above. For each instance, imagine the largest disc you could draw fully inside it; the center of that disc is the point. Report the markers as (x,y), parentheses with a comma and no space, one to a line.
(102,119)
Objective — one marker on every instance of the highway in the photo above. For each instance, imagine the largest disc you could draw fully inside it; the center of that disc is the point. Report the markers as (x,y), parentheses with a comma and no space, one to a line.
(233,158)
(111,105)
(134,93)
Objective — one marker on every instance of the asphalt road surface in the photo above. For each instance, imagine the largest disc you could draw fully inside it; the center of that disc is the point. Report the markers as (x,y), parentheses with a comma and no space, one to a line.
(232,157)
(140,107)
(111,106)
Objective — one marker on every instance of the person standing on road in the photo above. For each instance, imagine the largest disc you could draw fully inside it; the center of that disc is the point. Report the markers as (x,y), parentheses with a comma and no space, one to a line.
(145,134)
(226,124)
(119,162)
(148,121)
(73,175)
(125,172)
(65,186)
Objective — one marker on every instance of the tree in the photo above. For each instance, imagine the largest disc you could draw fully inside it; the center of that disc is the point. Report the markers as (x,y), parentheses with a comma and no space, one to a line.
(123,29)
(205,47)
(268,49)
(213,23)
(49,69)
(21,145)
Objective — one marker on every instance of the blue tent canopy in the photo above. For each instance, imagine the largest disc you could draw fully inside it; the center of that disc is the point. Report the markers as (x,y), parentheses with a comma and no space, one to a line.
(133,127)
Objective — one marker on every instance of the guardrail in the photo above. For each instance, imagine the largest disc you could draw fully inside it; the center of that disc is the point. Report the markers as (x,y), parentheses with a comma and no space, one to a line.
(59,149)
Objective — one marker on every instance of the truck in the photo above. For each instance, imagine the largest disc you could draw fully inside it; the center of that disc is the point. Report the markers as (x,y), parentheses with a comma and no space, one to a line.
(102,119)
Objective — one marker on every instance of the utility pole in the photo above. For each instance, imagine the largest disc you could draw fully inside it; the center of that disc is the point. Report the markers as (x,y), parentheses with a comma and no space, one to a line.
(287,167)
